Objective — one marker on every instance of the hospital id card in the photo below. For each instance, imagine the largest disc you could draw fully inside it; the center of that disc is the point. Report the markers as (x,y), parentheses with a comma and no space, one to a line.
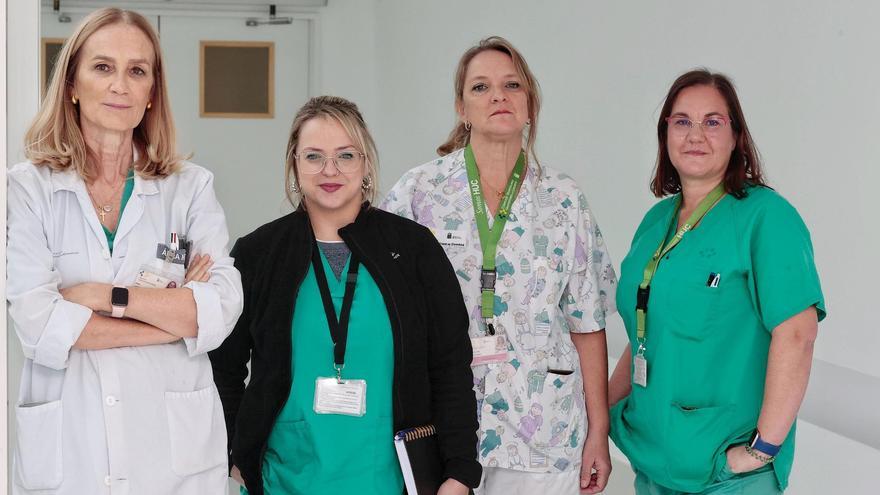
(489,349)
(149,279)
(640,370)
(159,274)
(335,396)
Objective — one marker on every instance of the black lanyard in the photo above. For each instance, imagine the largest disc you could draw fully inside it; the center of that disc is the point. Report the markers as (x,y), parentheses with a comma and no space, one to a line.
(338,328)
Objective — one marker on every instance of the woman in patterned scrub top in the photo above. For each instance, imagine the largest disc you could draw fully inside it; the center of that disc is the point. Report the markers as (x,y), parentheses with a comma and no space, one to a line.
(555,282)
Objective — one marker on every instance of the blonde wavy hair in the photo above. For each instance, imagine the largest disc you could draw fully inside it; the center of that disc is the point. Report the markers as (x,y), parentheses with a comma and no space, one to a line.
(55,138)
(349,117)
(460,135)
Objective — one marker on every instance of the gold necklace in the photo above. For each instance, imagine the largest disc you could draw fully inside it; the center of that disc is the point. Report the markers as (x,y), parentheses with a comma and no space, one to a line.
(107,206)
(495,191)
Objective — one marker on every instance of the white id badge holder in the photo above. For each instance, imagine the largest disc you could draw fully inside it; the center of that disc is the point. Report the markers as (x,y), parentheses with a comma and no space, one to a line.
(338,396)
(640,368)
(489,349)
(167,270)
(156,275)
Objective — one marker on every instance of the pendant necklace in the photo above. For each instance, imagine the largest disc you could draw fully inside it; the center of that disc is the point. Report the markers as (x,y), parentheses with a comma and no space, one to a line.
(107,206)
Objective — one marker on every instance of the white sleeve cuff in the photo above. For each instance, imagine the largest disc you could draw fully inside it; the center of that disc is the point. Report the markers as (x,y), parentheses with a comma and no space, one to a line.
(64,327)
(212,329)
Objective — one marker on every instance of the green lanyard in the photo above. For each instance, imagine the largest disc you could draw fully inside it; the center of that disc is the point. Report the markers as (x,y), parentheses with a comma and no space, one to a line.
(645,287)
(489,237)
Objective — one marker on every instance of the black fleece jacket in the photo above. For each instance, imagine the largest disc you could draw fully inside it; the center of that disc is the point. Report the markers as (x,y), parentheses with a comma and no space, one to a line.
(432,352)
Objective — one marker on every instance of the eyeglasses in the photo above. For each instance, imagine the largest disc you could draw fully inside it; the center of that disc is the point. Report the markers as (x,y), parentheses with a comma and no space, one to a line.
(680,126)
(312,162)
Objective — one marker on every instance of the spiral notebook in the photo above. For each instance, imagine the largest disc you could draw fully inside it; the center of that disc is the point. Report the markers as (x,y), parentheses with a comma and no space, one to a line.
(419,457)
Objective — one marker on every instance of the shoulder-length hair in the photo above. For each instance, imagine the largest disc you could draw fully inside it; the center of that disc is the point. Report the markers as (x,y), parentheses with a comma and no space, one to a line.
(744,167)
(460,135)
(349,117)
(55,138)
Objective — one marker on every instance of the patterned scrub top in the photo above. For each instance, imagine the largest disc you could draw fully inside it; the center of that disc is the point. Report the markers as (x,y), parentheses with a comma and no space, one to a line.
(554,277)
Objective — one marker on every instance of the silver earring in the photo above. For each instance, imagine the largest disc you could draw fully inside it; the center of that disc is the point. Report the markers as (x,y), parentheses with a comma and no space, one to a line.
(528,122)
(294,188)
(367,183)
(467,125)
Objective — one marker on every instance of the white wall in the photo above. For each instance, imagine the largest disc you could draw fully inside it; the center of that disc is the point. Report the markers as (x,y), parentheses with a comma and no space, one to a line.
(348,64)
(4,472)
(22,91)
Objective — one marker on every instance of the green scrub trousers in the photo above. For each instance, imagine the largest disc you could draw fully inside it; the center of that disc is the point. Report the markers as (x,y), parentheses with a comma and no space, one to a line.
(759,482)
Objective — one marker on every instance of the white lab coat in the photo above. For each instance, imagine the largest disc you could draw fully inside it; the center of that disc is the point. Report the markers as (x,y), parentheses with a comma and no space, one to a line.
(130,420)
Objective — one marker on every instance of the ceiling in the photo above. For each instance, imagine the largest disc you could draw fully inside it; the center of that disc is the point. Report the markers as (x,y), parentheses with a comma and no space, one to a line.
(184,3)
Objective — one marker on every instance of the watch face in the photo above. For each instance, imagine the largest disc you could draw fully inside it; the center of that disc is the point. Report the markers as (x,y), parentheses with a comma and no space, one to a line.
(753,438)
(119,296)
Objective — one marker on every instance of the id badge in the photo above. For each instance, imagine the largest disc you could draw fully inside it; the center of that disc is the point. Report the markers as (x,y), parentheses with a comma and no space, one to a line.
(333,396)
(159,275)
(489,349)
(640,370)
(451,238)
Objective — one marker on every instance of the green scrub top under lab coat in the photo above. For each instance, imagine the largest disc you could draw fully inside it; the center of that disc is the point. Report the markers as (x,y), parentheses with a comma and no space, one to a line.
(329,453)
(707,347)
(126,195)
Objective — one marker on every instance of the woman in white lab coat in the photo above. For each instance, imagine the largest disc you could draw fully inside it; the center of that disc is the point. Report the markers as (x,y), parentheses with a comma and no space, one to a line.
(119,281)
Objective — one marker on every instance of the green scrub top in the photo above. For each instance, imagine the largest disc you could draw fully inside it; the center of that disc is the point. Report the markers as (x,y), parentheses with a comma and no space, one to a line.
(707,347)
(327,453)
(126,194)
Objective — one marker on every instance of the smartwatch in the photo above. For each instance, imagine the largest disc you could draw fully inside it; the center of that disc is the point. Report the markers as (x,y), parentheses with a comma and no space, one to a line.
(118,301)
(766,448)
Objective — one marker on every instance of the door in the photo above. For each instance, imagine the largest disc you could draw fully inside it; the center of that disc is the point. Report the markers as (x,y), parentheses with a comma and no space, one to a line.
(246,155)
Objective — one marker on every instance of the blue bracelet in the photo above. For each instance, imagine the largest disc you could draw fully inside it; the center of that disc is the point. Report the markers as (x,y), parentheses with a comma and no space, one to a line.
(756,443)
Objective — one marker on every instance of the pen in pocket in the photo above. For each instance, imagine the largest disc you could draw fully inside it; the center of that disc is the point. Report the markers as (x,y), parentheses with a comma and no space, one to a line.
(714,280)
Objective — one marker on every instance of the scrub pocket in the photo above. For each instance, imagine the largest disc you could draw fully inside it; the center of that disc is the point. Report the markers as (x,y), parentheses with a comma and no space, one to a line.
(197,429)
(292,458)
(761,481)
(694,437)
(691,303)
(38,445)
(725,473)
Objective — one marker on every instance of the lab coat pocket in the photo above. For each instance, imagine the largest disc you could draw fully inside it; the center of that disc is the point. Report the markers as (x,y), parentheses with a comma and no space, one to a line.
(696,436)
(197,429)
(38,445)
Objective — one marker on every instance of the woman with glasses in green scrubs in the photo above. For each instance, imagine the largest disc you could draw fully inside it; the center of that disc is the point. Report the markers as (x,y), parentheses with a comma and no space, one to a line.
(354,327)
(721,301)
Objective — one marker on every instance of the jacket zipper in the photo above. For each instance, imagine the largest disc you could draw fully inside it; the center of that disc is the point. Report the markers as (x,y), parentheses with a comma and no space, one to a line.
(398,348)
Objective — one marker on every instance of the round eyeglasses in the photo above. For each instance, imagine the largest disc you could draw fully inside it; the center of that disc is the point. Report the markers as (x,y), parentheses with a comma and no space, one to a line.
(680,125)
(312,162)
